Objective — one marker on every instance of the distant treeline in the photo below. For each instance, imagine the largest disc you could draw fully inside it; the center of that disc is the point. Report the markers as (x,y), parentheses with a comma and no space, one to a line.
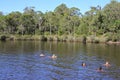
(63,21)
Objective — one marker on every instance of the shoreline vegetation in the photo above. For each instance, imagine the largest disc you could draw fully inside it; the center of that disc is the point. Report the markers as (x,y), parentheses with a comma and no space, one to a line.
(97,25)
(81,39)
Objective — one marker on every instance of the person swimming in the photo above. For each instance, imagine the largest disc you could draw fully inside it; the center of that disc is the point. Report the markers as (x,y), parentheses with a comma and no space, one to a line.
(54,56)
(83,64)
(42,55)
(107,64)
(100,69)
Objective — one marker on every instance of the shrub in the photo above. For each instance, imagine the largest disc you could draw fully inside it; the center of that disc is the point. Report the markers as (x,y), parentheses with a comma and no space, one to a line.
(3,38)
(43,38)
(84,39)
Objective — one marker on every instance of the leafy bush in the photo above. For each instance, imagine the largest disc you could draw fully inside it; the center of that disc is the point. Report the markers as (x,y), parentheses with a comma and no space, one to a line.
(43,38)
(3,38)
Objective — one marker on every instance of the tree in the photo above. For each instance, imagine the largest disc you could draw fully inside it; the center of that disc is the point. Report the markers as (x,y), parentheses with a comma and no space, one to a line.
(112,13)
(28,22)
(12,22)
(2,23)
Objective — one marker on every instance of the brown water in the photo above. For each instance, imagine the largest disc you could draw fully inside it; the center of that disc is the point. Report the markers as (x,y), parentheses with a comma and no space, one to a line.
(20,60)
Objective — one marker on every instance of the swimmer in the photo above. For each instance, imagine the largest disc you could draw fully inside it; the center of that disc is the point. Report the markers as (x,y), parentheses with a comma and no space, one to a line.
(100,69)
(83,64)
(107,64)
(42,55)
(54,56)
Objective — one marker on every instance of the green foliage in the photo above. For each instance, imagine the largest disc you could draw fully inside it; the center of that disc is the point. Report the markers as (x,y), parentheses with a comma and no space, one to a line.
(43,38)
(64,21)
(38,32)
(3,37)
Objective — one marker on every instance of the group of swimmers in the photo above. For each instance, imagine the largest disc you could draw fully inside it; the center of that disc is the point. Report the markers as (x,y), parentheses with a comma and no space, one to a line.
(100,69)
(53,56)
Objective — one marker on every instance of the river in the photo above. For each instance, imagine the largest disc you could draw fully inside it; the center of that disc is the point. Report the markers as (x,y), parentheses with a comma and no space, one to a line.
(20,60)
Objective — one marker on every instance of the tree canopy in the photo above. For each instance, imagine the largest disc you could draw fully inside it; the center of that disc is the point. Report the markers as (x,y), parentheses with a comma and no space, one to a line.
(64,21)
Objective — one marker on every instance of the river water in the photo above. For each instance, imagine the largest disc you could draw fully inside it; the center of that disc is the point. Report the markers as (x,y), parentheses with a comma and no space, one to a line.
(20,60)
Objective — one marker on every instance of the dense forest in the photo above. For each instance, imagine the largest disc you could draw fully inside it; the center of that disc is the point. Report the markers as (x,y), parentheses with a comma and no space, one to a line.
(96,25)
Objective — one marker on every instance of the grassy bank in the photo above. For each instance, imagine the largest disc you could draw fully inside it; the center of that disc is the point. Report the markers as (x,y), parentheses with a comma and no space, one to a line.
(65,38)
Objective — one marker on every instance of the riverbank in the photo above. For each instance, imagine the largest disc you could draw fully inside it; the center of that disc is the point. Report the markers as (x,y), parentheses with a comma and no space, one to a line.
(111,42)
(64,38)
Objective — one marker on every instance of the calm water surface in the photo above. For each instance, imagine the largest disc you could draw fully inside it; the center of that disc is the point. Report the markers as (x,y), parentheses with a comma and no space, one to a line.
(20,60)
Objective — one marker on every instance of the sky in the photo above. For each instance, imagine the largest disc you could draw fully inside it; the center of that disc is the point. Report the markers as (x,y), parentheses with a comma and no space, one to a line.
(8,6)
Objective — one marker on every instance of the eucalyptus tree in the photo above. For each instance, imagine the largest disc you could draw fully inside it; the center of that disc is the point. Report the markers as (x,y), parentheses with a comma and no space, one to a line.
(88,19)
(12,22)
(112,13)
(39,20)
(28,22)
(98,21)
(61,9)
(83,28)
(74,19)
(62,12)
(51,22)
(95,20)
(2,23)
